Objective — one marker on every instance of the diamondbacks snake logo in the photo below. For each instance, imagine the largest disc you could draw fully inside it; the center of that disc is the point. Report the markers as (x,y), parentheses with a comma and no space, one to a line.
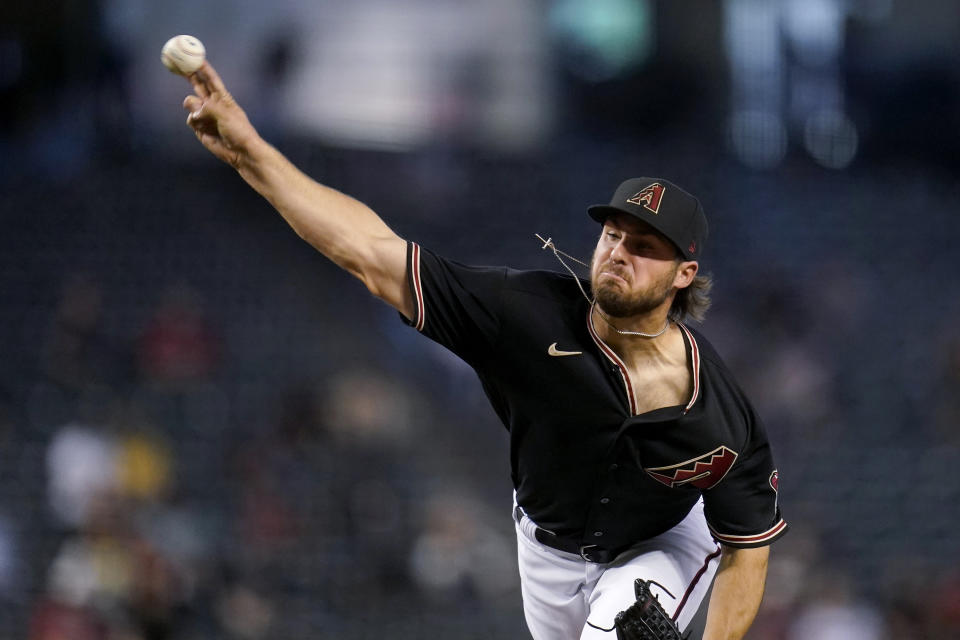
(703,472)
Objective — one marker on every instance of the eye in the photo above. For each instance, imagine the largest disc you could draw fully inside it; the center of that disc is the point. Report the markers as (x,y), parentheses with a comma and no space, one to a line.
(613,235)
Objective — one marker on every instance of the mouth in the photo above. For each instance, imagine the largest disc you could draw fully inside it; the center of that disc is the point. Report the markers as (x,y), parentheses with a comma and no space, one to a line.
(615,276)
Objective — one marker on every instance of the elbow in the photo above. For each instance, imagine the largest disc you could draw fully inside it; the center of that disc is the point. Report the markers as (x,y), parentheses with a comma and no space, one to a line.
(367,272)
(372,284)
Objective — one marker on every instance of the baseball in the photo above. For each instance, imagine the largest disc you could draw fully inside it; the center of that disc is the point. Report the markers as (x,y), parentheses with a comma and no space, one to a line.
(183,54)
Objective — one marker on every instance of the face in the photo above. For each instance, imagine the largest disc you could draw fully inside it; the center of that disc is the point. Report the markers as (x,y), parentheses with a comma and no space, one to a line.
(635,268)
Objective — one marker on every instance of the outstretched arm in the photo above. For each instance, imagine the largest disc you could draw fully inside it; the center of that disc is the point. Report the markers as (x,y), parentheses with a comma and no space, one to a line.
(737,591)
(345,230)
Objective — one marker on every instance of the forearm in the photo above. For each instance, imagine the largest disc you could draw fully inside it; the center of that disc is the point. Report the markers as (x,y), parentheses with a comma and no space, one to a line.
(737,592)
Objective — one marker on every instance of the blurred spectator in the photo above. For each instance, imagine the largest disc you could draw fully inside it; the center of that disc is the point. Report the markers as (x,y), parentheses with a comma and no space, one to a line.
(796,387)
(81,466)
(144,464)
(124,570)
(11,575)
(81,365)
(908,617)
(324,499)
(12,557)
(369,409)
(178,355)
(76,353)
(458,558)
(831,612)
(377,471)
(945,607)
(91,571)
(790,569)
(243,613)
(111,580)
(53,620)
(179,347)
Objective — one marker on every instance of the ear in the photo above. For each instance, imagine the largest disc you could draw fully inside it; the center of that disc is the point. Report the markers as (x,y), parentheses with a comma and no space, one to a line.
(686,272)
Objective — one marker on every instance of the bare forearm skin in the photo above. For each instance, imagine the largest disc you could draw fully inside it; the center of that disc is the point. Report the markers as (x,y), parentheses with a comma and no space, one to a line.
(737,592)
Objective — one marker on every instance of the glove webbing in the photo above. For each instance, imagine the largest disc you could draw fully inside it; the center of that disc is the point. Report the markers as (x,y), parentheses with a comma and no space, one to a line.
(646,618)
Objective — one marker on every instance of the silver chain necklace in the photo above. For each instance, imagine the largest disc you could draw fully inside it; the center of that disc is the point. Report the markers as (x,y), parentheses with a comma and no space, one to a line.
(641,334)
(548,244)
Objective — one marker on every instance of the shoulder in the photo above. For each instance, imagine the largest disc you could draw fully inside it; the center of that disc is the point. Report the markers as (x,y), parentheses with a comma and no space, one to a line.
(540,284)
(523,280)
(534,282)
(543,283)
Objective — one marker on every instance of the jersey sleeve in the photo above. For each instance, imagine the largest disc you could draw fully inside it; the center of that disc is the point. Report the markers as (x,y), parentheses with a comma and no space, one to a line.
(743,510)
(456,305)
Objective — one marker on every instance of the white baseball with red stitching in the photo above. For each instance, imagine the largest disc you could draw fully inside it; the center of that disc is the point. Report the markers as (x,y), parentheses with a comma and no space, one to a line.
(183,54)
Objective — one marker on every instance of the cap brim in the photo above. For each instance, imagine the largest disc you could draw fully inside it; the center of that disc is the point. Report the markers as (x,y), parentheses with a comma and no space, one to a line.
(600,212)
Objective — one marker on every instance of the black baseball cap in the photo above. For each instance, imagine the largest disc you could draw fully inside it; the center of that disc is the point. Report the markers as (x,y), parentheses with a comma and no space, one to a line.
(665,207)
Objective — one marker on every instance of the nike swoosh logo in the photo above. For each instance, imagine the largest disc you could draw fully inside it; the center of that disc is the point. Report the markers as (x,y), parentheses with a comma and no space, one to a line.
(552,350)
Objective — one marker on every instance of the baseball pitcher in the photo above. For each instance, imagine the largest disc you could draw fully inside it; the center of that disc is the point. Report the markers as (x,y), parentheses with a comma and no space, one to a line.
(645,492)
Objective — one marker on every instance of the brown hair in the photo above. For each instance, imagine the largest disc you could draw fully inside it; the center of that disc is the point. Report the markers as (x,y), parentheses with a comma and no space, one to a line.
(693,300)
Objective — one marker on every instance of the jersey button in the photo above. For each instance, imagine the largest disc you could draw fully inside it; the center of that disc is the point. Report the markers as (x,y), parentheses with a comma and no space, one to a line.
(604,500)
(597,534)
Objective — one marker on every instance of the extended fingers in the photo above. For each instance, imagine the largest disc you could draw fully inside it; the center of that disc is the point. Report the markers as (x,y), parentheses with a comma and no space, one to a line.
(197,82)
(207,79)
(206,83)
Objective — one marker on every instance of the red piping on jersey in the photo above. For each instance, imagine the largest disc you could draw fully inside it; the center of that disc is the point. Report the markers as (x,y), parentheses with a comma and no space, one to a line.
(417,286)
(693,584)
(695,360)
(760,538)
(611,354)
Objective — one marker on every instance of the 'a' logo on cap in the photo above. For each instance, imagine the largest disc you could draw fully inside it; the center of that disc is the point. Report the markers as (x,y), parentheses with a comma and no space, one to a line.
(649,197)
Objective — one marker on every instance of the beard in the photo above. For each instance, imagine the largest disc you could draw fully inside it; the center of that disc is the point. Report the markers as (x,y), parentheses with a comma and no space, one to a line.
(617,303)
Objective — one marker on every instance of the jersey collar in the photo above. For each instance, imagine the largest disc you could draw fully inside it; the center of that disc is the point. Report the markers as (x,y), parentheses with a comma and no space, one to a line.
(628,385)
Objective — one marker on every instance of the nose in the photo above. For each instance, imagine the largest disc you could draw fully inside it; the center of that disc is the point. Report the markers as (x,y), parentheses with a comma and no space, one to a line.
(618,252)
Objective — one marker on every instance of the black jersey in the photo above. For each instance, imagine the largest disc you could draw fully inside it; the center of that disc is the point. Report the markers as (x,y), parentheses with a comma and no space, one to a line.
(583,464)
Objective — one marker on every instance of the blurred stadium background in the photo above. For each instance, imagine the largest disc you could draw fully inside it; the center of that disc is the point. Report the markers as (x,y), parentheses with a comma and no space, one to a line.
(209,432)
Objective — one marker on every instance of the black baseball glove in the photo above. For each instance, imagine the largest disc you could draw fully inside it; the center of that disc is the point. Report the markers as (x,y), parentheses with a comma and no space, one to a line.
(645,619)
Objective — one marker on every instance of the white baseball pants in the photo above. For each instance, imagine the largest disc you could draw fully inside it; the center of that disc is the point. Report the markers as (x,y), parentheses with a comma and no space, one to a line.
(561,591)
